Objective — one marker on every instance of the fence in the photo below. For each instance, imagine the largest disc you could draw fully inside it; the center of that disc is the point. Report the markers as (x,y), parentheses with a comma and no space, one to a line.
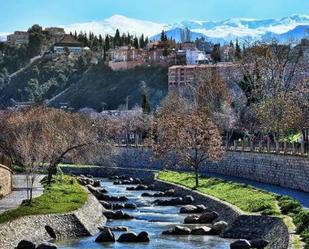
(282,148)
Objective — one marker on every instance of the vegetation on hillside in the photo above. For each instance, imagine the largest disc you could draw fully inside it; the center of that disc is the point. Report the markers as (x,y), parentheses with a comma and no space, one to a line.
(101,88)
(63,196)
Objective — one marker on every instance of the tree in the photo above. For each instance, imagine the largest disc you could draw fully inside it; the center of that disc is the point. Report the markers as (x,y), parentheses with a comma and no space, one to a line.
(36,39)
(163,36)
(135,42)
(274,88)
(216,53)
(237,51)
(107,43)
(44,136)
(117,38)
(190,136)
(145,104)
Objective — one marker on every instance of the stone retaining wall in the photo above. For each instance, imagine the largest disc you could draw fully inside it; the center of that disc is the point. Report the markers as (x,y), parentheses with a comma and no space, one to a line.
(286,171)
(283,170)
(242,225)
(82,222)
(5,181)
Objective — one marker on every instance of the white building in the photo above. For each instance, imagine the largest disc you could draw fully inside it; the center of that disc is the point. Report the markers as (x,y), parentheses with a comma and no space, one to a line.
(195,57)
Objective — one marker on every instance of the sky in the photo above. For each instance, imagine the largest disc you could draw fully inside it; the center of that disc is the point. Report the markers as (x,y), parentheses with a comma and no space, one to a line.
(21,14)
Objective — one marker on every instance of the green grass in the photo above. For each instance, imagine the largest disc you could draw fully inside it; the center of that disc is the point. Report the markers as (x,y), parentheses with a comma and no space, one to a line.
(63,196)
(244,197)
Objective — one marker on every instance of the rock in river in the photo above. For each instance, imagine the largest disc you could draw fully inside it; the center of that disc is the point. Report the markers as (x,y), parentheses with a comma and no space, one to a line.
(106,235)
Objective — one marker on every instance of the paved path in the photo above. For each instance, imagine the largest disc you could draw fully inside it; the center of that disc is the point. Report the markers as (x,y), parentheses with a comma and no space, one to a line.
(19,192)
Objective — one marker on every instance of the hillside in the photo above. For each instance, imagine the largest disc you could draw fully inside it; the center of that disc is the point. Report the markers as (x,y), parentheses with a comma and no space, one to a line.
(74,80)
(44,78)
(101,88)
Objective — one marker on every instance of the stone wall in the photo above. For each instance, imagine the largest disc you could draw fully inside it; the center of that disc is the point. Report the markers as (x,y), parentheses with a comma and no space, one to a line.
(283,170)
(5,181)
(83,222)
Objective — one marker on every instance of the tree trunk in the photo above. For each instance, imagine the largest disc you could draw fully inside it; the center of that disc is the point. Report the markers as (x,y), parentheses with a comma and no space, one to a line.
(52,170)
(196,176)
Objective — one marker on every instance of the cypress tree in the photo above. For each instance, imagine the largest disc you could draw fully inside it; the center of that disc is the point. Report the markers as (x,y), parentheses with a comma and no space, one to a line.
(145,104)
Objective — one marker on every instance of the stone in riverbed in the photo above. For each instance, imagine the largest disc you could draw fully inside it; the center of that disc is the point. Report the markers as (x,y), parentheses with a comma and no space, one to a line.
(259,243)
(106,204)
(120,228)
(188,199)
(25,244)
(240,244)
(188,209)
(192,219)
(127,238)
(50,232)
(47,245)
(177,230)
(218,227)
(208,217)
(201,231)
(191,209)
(106,235)
(130,206)
(143,237)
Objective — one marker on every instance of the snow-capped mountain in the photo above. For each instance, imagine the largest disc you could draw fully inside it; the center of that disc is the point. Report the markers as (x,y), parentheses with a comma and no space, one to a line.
(124,24)
(219,31)
(3,36)
(288,28)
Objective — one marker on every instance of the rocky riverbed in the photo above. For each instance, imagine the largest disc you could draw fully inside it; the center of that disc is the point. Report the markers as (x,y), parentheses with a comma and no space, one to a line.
(143,213)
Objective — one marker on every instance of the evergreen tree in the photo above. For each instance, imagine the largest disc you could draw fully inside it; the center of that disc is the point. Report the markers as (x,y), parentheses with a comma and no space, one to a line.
(135,43)
(237,51)
(36,39)
(142,41)
(215,54)
(163,36)
(107,43)
(145,104)
(117,39)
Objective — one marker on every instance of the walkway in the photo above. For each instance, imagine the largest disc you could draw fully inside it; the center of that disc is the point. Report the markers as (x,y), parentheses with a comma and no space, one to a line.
(19,192)
(300,196)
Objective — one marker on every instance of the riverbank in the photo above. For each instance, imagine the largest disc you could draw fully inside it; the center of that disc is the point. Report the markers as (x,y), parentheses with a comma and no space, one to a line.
(250,200)
(66,207)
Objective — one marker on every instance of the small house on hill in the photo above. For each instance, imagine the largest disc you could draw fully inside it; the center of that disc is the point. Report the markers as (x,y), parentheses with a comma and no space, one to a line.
(68,44)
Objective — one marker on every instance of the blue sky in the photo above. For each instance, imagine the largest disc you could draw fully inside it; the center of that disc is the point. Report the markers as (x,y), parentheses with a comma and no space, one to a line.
(20,14)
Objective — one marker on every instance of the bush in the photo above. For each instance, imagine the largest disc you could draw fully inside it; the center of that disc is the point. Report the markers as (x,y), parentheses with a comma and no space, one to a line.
(288,205)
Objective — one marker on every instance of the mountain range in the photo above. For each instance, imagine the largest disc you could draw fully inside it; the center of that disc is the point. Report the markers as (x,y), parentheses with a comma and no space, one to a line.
(285,29)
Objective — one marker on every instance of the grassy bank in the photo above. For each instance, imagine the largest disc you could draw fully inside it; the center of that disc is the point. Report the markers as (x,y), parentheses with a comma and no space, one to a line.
(242,196)
(64,195)
(249,199)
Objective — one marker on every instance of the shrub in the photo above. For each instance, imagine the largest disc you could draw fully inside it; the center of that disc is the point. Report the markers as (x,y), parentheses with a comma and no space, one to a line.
(288,205)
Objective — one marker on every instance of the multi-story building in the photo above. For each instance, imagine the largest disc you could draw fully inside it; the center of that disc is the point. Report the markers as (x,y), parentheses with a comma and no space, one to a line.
(195,57)
(125,57)
(180,77)
(18,38)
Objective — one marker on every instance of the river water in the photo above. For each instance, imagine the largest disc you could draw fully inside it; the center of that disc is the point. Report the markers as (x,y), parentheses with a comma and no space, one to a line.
(150,218)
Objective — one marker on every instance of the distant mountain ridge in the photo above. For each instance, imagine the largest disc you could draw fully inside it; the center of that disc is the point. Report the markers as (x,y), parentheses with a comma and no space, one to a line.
(284,29)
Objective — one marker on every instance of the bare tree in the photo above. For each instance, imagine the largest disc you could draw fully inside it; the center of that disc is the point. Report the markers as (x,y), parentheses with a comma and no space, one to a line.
(40,136)
(191,136)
